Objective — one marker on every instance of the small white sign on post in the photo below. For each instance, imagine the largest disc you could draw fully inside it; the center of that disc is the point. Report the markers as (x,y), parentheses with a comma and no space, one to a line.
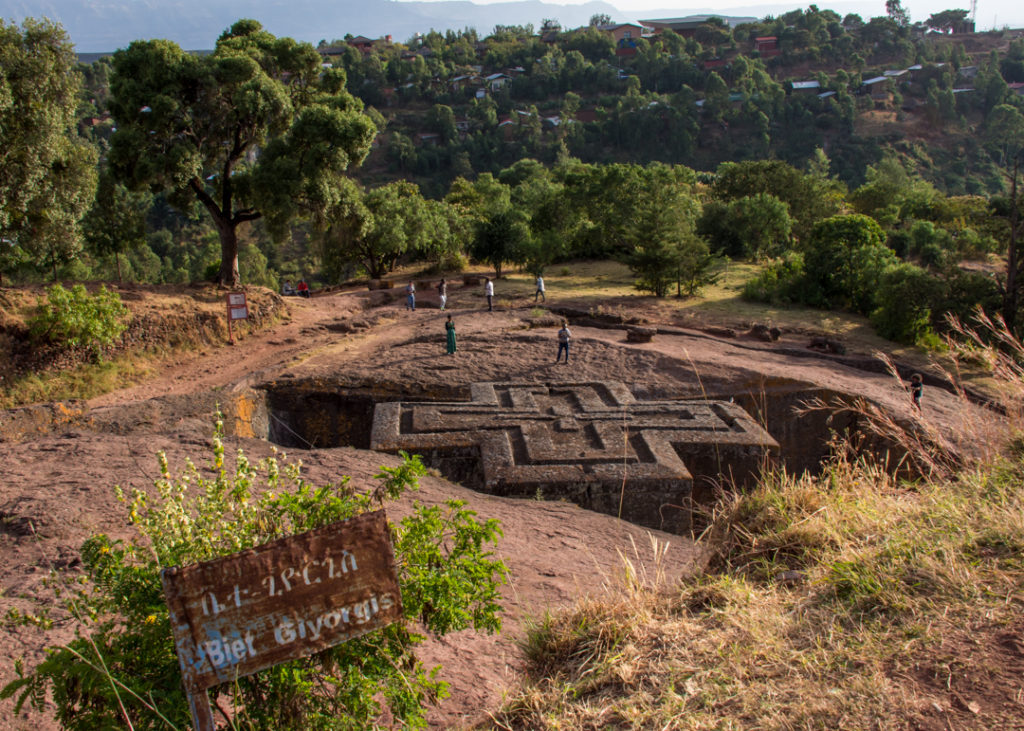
(238,309)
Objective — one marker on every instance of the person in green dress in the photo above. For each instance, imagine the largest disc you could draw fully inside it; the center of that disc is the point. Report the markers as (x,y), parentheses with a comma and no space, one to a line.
(449,326)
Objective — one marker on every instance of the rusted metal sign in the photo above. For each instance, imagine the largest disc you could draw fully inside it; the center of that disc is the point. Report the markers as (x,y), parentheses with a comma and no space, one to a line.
(283,600)
(238,309)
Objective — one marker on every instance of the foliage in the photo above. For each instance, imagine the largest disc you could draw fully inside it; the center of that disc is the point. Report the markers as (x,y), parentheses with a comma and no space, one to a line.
(780,282)
(906,294)
(121,667)
(47,172)
(189,125)
(663,247)
(754,227)
(378,226)
(843,262)
(74,317)
(115,224)
(500,238)
(808,197)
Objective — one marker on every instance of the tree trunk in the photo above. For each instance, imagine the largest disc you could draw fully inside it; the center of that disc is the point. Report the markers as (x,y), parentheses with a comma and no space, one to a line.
(228,275)
(117,258)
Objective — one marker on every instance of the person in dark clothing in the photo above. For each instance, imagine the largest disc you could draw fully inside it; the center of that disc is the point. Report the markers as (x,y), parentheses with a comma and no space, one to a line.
(916,388)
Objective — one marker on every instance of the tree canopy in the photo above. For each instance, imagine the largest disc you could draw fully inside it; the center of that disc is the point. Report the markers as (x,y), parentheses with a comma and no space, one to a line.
(255,129)
(47,172)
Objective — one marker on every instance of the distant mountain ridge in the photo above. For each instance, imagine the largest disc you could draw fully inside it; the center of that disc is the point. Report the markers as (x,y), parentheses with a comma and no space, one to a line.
(106,25)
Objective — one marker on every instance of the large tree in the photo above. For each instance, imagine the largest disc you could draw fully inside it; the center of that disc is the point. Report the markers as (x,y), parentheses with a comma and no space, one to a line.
(47,172)
(256,129)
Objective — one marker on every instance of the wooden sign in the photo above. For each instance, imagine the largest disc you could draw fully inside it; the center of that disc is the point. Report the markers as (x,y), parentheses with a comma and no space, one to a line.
(284,600)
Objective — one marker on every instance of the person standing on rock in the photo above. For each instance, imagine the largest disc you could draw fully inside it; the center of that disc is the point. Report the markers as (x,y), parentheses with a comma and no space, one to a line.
(540,290)
(410,297)
(489,293)
(563,341)
(449,328)
(916,389)
(442,293)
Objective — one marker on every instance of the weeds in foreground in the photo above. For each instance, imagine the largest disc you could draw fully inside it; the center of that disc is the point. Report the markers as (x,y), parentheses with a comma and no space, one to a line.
(816,602)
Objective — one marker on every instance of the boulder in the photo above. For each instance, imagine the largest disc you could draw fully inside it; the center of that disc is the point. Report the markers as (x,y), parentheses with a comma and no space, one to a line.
(640,334)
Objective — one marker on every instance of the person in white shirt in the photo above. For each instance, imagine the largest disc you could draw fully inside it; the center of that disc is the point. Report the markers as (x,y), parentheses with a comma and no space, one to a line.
(489,291)
(410,296)
(563,342)
(540,290)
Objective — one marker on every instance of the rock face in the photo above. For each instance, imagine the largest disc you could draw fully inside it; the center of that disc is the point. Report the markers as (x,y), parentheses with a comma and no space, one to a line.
(591,443)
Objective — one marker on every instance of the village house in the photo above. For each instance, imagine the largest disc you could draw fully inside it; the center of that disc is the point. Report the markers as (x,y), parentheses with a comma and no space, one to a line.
(625,32)
(688,25)
(767,46)
(366,45)
(427,139)
(497,81)
(878,88)
(806,86)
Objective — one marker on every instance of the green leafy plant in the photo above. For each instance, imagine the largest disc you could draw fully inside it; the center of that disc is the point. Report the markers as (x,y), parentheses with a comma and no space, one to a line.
(75,317)
(121,667)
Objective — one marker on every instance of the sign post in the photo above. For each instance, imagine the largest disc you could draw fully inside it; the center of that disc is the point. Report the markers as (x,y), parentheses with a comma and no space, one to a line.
(284,600)
(238,309)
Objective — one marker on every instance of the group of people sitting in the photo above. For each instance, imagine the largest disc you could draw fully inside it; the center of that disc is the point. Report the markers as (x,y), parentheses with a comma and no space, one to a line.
(289,291)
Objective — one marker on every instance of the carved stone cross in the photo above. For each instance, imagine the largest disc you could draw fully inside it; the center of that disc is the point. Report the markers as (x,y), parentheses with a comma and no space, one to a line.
(591,443)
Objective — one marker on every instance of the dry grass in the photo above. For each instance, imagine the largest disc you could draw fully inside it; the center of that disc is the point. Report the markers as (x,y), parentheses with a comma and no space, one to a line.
(819,602)
(83,381)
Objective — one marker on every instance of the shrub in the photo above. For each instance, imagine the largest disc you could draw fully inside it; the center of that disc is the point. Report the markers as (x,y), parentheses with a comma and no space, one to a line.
(905,296)
(74,317)
(121,667)
(779,282)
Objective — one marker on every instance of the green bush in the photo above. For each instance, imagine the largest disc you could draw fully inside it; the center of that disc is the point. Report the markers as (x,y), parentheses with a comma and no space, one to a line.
(121,668)
(74,317)
(905,297)
(779,282)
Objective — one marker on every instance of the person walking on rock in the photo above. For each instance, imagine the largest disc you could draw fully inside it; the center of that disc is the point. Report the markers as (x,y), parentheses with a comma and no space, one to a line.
(489,292)
(449,327)
(540,290)
(410,297)
(442,293)
(563,342)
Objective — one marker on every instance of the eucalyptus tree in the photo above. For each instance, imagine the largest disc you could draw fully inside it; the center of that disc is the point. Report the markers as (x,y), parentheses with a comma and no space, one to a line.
(257,129)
